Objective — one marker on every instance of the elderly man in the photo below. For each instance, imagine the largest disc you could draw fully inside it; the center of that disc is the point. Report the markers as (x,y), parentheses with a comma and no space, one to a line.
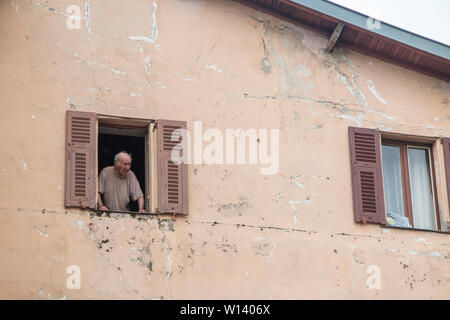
(118,183)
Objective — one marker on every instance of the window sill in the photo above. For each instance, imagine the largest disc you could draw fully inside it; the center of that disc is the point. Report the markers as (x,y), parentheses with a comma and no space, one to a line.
(414,229)
(131,213)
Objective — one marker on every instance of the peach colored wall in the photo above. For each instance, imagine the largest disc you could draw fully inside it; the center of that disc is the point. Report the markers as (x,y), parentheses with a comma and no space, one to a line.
(286,236)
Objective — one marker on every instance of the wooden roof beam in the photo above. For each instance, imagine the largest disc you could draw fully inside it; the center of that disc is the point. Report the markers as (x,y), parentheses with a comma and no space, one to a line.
(334,37)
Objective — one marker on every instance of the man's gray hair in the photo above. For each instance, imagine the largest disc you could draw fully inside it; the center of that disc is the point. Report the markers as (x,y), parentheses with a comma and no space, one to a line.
(117,157)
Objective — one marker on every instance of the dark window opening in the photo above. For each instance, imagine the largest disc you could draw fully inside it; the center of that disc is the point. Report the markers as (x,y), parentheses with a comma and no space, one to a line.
(113,140)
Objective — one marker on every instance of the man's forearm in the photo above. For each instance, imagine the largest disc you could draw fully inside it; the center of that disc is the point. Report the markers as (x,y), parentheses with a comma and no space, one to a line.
(141,203)
(99,200)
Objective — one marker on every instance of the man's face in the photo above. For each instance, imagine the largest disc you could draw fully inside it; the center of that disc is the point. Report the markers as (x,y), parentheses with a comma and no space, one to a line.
(124,166)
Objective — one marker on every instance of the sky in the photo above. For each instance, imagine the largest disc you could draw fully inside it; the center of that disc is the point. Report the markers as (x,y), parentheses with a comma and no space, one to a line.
(428,18)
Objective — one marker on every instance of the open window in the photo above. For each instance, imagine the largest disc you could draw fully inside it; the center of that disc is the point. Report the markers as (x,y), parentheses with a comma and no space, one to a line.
(394,179)
(113,139)
(92,142)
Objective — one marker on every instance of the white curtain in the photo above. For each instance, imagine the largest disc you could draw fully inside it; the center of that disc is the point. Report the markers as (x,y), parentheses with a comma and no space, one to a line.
(421,191)
(392,181)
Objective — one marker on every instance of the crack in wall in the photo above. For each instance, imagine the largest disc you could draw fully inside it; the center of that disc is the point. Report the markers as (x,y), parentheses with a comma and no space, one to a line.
(154,36)
(53,9)
(86,17)
(238,225)
(331,61)
(94,63)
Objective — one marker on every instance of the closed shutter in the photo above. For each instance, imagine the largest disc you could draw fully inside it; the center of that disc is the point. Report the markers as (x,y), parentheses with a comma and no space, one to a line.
(368,197)
(172,177)
(80,188)
(446,142)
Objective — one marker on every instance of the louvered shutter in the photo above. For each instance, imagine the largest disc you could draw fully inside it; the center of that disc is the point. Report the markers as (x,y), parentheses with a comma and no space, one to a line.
(80,188)
(368,197)
(172,177)
(446,142)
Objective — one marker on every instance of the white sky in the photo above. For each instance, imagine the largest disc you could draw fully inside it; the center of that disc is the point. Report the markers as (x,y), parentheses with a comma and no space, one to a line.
(428,18)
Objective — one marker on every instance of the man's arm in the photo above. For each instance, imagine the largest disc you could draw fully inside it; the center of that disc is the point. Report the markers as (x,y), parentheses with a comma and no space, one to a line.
(136,192)
(100,203)
(141,204)
(101,189)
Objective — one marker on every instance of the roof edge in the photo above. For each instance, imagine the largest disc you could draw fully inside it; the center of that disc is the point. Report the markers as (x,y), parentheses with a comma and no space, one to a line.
(386,30)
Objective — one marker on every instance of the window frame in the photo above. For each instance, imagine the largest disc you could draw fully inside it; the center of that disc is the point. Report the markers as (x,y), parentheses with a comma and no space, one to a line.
(120,122)
(406,183)
(365,148)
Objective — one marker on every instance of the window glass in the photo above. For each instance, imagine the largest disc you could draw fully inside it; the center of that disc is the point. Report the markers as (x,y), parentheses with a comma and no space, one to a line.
(392,182)
(421,190)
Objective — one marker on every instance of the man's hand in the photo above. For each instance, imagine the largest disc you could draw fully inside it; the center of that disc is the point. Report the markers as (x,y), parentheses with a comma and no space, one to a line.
(100,203)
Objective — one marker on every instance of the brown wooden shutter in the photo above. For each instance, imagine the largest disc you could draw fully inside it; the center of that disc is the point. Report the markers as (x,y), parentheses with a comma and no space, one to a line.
(446,142)
(80,186)
(368,197)
(172,177)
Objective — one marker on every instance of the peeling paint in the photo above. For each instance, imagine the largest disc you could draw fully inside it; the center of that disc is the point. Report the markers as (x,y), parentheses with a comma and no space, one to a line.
(384,115)
(216,69)
(225,246)
(169,258)
(166,225)
(52,9)
(45,235)
(88,22)
(14,5)
(293,204)
(356,120)
(359,257)
(263,246)
(353,87)
(139,44)
(372,88)
(147,67)
(42,294)
(95,63)
(426,254)
(293,180)
(76,102)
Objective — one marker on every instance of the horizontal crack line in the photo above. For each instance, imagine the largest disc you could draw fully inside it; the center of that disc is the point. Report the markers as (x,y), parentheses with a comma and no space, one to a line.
(213,223)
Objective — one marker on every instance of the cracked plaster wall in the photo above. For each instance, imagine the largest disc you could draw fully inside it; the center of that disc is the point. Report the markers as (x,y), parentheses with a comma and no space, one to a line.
(290,235)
